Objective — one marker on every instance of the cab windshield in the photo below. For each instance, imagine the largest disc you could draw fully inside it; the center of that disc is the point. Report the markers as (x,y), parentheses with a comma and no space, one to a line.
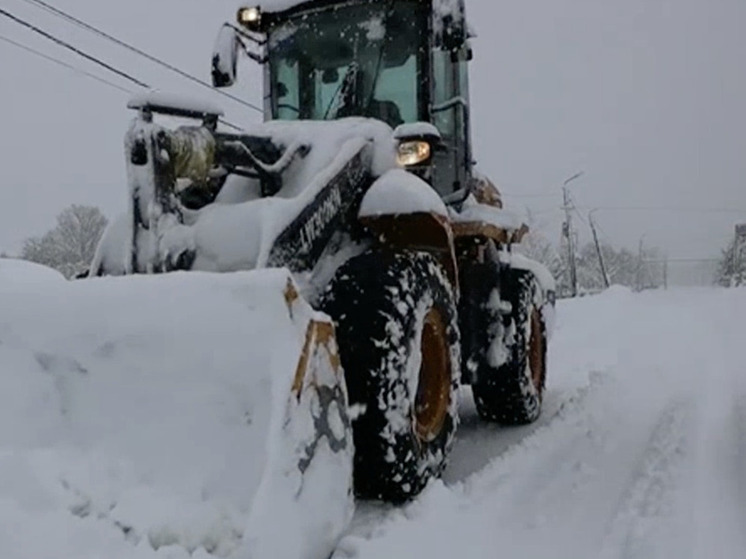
(360,59)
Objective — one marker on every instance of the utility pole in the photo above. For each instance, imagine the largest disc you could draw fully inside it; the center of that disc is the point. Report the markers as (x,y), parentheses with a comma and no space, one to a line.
(739,247)
(640,252)
(568,234)
(598,249)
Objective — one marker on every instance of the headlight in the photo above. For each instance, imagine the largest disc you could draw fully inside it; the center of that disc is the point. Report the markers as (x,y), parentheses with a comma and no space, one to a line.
(250,17)
(413,153)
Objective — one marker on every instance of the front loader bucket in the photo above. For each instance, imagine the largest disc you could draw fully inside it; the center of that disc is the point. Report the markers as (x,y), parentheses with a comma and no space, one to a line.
(192,412)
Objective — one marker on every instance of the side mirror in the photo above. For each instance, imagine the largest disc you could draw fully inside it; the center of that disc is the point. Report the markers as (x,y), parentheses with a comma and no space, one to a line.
(225,57)
(454,27)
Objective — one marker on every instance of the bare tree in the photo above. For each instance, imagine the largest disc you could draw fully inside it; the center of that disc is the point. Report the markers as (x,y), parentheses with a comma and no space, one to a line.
(70,246)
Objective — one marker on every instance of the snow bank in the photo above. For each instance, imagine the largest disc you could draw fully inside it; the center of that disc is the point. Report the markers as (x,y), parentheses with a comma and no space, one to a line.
(13,271)
(639,452)
(146,416)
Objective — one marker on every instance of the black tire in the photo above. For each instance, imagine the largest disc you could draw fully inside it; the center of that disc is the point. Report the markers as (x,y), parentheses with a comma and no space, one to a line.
(387,307)
(511,392)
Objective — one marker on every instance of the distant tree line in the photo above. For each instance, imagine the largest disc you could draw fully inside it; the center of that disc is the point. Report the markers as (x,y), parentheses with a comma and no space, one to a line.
(731,271)
(637,270)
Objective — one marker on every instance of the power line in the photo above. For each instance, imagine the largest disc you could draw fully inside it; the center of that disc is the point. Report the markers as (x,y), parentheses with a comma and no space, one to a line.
(88,27)
(90,57)
(64,64)
(76,50)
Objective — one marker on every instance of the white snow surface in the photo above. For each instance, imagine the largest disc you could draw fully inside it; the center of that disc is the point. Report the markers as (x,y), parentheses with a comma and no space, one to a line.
(23,272)
(415,129)
(152,416)
(401,192)
(133,410)
(640,451)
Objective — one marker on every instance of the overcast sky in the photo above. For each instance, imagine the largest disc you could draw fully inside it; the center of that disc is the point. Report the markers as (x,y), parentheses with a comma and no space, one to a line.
(645,96)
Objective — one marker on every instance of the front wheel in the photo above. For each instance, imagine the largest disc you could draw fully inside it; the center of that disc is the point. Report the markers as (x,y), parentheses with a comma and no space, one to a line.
(396,327)
(511,372)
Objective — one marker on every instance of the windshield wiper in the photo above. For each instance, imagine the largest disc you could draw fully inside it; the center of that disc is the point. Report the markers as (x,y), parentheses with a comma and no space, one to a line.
(345,94)
(379,64)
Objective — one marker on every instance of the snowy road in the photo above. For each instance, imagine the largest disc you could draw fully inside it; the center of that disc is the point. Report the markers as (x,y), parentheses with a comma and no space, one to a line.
(640,452)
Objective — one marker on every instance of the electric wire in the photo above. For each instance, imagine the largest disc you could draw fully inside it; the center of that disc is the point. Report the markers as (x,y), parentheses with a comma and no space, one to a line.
(88,27)
(64,64)
(91,58)
(72,48)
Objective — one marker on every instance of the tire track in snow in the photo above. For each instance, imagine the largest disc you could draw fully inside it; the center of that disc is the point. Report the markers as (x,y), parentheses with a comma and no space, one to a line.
(718,501)
(649,495)
(479,443)
(741,454)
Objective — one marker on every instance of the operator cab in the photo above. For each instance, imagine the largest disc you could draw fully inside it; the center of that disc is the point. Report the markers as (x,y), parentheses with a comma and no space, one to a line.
(354,59)
(398,61)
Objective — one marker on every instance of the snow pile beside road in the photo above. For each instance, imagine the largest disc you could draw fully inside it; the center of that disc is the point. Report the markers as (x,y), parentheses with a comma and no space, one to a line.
(143,416)
(23,272)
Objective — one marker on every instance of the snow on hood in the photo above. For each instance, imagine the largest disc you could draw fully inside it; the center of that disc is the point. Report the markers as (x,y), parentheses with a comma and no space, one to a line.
(229,237)
(326,139)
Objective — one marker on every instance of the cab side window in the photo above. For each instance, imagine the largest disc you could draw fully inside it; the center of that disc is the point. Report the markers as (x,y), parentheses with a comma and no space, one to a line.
(444,91)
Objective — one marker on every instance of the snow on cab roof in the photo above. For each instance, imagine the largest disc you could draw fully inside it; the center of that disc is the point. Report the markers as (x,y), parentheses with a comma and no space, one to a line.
(441,7)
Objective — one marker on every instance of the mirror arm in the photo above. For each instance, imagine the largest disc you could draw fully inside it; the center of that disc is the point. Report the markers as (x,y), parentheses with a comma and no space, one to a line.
(261,59)
(260,40)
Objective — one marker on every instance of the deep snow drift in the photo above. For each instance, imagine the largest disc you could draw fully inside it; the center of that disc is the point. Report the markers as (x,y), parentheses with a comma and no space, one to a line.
(144,448)
(146,416)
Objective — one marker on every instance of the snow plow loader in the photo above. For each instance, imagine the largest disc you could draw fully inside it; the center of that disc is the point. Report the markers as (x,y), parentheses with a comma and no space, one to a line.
(356,205)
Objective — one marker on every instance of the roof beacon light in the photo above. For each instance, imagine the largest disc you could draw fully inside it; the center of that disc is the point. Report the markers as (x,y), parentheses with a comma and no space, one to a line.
(250,17)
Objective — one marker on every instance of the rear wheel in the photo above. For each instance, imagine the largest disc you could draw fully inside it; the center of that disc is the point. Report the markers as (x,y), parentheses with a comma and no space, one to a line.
(396,328)
(511,371)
